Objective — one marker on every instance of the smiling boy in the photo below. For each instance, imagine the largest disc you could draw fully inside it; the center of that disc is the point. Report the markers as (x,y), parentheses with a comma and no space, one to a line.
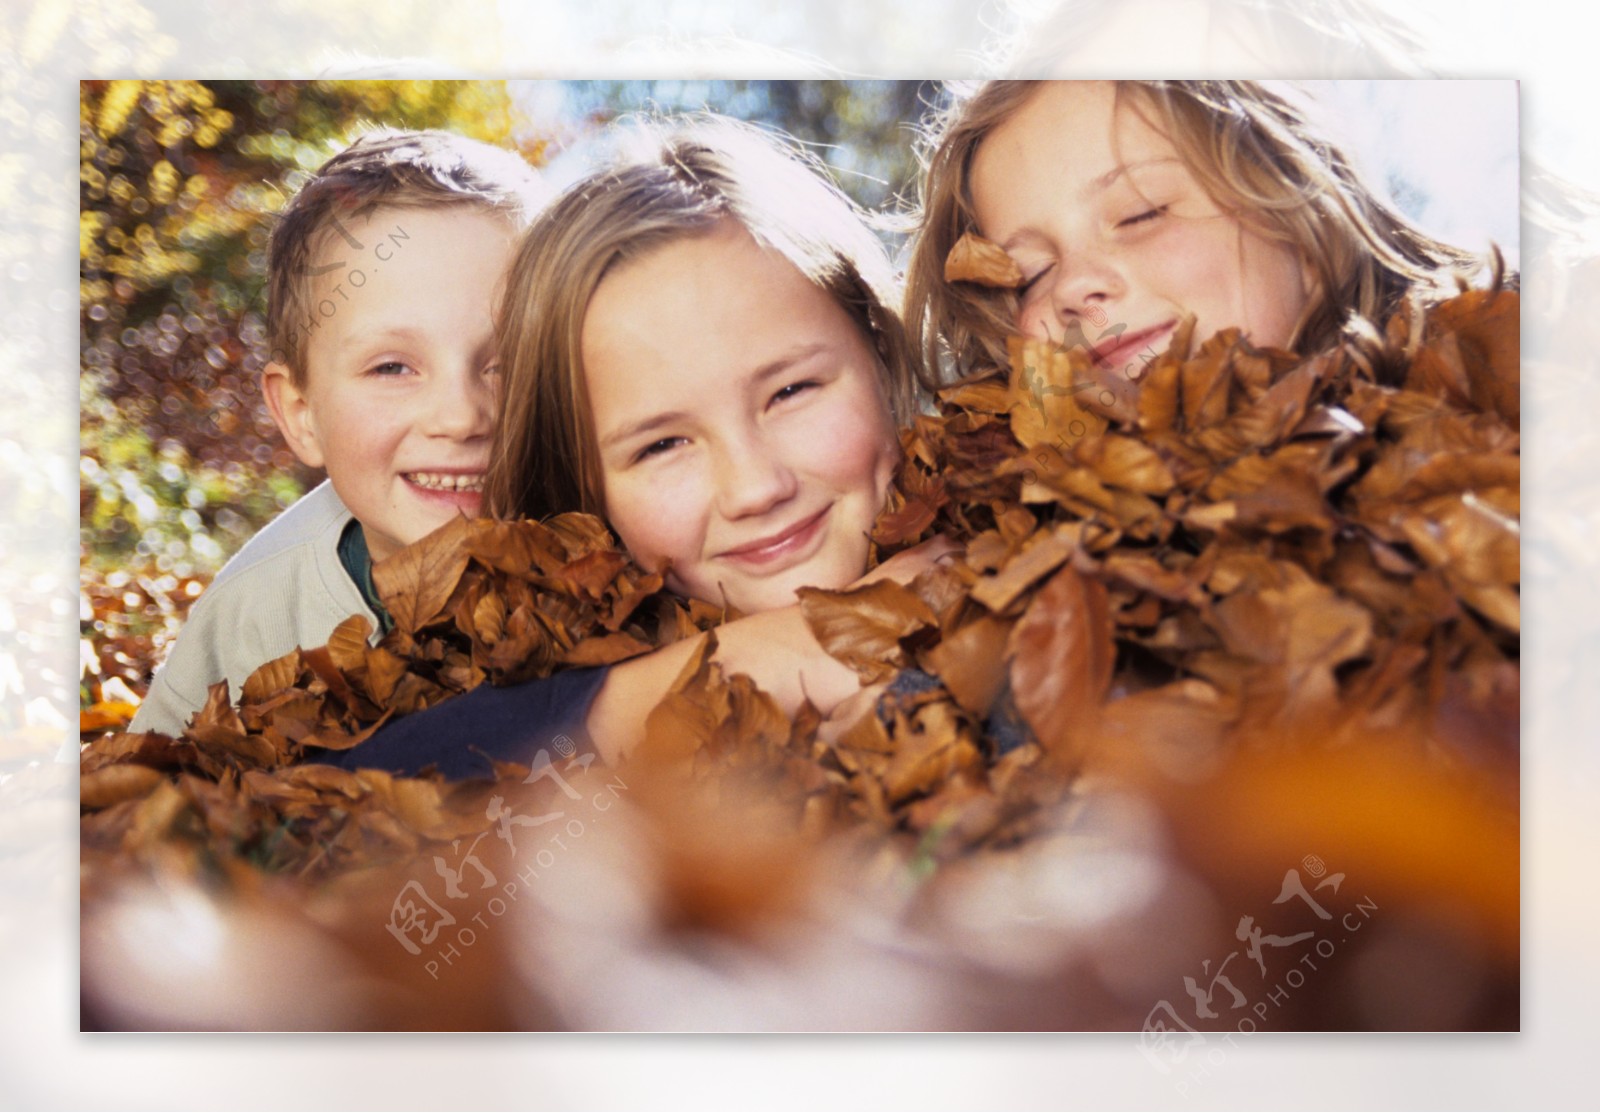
(382,279)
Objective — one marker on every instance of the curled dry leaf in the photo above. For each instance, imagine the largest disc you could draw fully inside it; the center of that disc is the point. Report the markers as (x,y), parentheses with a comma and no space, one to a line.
(930,749)
(347,645)
(975,259)
(1470,353)
(971,662)
(158,751)
(1040,555)
(1297,636)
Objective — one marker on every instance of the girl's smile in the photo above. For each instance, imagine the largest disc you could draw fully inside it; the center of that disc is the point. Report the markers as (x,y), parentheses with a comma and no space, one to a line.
(787,546)
(744,433)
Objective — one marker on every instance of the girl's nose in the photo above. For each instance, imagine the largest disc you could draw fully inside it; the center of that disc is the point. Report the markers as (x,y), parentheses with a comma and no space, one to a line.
(1082,297)
(752,478)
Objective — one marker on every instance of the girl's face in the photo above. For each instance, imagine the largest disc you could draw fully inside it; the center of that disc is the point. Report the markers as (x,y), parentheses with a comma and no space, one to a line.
(1115,237)
(742,424)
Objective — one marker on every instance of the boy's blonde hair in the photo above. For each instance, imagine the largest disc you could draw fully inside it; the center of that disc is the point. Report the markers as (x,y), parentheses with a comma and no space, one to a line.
(1258,157)
(671,181)
(385,166)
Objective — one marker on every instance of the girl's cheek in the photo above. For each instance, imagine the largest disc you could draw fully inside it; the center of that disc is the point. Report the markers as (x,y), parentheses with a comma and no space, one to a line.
(646,535)
(673,509)
(868,447)
(1033,321)
(864,458)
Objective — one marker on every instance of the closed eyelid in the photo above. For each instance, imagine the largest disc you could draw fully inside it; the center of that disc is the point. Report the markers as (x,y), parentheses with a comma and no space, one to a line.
(1129,176)
(1143,215)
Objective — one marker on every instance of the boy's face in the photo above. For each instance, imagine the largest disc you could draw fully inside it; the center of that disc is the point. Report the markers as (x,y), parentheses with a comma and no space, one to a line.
(398,403)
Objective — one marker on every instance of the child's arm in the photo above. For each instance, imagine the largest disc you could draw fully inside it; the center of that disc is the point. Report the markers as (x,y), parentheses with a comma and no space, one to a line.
(207,650)
(602,709)
(163,709)
(776,649)
(465,734)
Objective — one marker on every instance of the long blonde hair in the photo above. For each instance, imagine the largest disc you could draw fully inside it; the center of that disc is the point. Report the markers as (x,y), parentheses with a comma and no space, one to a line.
(1256,154)
(674,180)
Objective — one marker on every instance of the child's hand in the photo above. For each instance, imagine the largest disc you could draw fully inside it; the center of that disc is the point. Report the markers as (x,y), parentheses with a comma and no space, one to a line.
(776,648)
(904,567)
(848,712)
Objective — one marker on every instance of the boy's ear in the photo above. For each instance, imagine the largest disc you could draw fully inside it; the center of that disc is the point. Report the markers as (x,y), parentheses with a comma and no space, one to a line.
(292,411)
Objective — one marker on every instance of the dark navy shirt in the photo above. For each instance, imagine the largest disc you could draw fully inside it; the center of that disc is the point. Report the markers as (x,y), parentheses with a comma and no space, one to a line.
(460,735)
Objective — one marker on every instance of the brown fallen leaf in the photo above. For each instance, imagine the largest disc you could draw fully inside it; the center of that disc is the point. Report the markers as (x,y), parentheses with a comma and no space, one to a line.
(972,663)
(1051,391)
(866,627)
(114,784)
(1062,653)
(416,582)
(605,650)
(975,259)
(933,747)
(985,396)
(1041,555)
(348,643)
(1471,351)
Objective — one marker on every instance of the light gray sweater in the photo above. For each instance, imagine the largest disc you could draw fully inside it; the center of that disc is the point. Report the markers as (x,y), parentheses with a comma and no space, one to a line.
(285,588)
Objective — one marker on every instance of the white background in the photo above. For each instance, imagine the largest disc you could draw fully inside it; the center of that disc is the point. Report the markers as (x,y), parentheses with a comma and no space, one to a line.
(44,1063)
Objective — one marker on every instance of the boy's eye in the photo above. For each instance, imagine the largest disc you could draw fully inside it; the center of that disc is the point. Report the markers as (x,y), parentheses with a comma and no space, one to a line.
(392,367)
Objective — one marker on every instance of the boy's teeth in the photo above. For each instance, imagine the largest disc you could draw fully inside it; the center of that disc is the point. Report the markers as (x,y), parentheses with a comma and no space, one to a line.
(439,481)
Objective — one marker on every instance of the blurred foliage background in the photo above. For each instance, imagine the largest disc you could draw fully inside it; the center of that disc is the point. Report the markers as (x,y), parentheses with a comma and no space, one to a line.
(179,181)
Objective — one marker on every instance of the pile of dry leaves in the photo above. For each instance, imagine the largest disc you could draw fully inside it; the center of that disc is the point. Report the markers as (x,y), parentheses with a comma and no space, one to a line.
(1233,576)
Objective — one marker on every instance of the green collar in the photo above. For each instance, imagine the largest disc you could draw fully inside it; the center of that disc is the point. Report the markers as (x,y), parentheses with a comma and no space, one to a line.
(358,566)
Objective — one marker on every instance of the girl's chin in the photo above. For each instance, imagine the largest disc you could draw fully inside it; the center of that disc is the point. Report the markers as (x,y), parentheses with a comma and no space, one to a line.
(832,571)
(747,599)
